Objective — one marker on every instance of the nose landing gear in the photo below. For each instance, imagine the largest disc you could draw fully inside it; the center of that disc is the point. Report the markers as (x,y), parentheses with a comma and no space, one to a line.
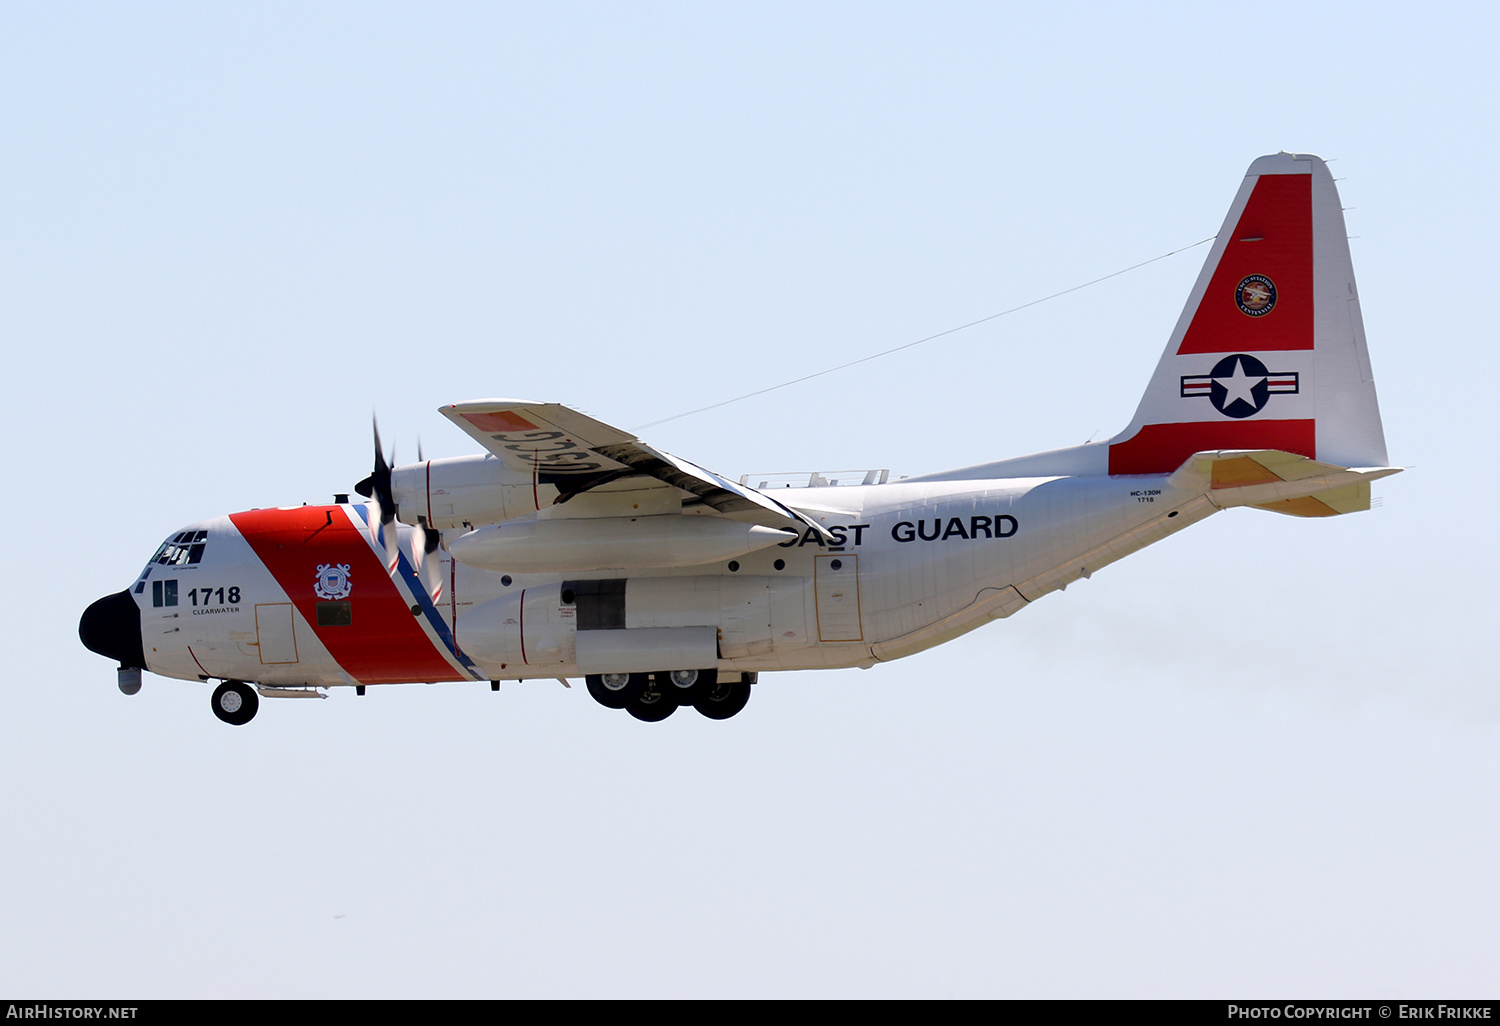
(235,702)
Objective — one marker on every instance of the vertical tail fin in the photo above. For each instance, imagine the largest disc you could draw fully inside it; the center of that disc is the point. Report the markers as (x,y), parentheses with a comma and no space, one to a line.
(1269,352)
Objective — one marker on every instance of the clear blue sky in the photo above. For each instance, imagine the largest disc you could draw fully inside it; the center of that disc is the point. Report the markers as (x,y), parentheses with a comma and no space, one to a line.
(1258,759)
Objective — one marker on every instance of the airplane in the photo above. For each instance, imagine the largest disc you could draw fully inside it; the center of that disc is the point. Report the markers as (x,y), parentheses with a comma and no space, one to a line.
(572,548)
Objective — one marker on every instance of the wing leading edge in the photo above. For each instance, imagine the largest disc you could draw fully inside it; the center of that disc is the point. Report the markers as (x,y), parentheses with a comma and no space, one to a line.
(574,452)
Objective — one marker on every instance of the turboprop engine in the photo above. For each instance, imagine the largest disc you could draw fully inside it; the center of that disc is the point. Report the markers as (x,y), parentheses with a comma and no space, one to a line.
(466,490)
(612,543)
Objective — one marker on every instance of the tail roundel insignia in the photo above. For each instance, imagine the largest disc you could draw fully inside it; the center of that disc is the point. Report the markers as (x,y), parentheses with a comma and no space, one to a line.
(1269,351)
(1239,385)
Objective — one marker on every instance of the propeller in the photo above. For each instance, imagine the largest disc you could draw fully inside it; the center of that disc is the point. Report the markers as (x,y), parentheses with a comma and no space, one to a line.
(424,546)
(377,488)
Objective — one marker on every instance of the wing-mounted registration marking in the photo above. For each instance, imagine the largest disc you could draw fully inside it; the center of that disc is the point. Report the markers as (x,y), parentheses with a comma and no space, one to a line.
(545,439)
(575,452)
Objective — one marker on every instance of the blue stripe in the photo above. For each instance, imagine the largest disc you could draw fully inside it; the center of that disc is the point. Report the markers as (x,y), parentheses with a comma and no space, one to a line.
(414,585)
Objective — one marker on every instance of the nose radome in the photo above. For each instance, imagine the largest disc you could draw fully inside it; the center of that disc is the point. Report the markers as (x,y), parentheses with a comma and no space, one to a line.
(112,627)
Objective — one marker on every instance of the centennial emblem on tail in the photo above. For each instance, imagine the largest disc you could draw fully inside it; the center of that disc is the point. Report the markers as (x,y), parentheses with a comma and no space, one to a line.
(1255,295)
(1239,385)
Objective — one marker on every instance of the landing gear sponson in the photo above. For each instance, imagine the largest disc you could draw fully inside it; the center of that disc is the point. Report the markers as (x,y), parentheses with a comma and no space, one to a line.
(655,696)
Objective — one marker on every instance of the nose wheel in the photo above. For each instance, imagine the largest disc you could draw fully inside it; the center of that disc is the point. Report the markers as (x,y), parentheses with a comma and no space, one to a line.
(235,702)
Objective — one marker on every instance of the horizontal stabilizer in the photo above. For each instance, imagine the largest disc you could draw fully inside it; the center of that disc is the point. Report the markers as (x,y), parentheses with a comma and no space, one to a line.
(1282,482)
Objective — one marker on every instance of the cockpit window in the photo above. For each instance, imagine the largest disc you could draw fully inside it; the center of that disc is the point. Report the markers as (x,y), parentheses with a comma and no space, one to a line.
(182,548)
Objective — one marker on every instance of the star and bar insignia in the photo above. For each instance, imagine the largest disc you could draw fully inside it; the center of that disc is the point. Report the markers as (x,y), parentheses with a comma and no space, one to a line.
(1239,385)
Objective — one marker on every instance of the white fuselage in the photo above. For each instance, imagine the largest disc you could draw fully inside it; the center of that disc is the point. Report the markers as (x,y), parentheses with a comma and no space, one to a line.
(921,562)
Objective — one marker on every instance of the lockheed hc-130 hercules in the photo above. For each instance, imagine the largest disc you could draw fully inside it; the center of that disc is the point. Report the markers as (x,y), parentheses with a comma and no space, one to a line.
(572,548)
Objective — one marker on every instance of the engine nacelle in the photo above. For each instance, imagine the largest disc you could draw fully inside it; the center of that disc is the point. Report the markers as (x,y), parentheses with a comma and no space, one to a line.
(466,490)
(611,543)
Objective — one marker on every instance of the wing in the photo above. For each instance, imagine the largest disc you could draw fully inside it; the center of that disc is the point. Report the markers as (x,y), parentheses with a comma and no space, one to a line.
(574,452)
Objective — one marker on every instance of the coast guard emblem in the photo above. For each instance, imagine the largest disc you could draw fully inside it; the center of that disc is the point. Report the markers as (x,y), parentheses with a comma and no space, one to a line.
(333,581)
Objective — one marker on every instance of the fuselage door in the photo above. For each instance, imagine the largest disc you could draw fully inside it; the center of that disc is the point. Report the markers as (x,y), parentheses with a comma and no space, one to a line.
(836,584)
(276,633)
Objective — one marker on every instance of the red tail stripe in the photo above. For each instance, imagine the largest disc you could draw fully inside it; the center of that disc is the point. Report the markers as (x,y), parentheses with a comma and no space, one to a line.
(1278,217)
(1162,448)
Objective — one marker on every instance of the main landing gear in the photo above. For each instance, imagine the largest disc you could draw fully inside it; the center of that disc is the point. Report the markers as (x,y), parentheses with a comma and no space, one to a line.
(616,690)
(655,696)
(235,702)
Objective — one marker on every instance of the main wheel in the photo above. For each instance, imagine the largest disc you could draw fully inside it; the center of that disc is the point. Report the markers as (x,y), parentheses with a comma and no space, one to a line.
(724,700)
(615,690)
(235,702)
(654,704)
(688,685)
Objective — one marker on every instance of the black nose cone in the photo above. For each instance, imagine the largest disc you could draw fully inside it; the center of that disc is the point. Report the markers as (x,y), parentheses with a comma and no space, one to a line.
(112,627)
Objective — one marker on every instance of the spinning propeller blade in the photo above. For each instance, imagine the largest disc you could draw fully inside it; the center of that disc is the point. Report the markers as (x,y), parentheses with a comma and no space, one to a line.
(424,546)
(377,488)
